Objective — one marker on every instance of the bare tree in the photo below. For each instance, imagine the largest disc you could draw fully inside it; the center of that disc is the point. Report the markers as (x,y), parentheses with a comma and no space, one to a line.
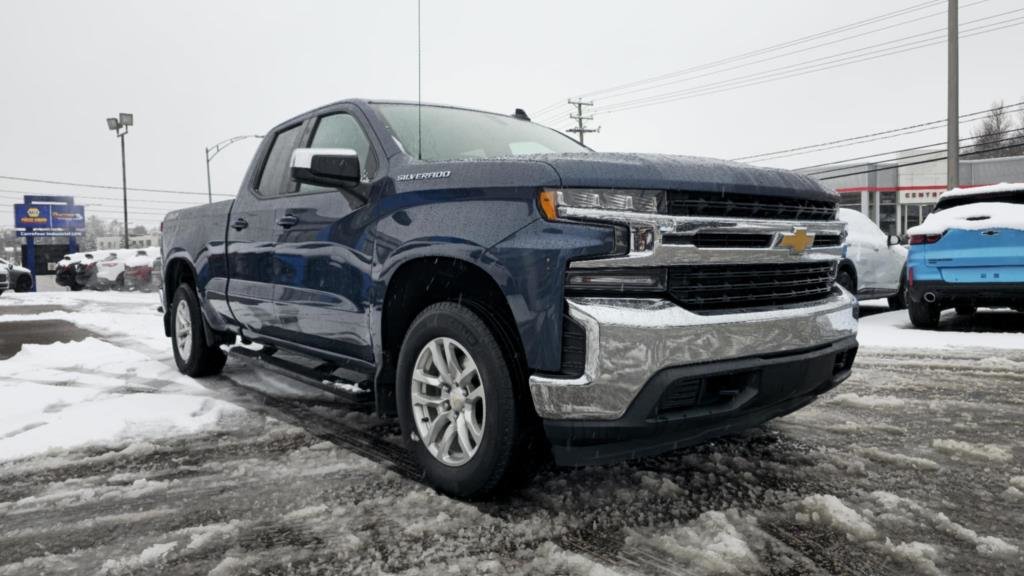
(996,131)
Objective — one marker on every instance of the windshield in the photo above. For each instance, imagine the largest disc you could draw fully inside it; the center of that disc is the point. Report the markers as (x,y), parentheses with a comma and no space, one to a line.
(454,133)
(1009,197)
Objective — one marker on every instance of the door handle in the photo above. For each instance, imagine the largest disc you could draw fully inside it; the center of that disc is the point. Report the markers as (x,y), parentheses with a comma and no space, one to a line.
(240,224)
(287,221)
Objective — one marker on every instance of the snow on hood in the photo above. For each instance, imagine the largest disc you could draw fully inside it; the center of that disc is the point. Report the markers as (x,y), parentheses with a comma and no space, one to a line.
(977,216)
(983,190)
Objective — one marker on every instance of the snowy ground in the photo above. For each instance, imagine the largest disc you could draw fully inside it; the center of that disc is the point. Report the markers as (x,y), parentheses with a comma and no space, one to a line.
(113,463)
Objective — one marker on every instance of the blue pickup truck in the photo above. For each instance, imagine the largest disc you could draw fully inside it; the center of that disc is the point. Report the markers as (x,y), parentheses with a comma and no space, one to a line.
(969,252)
(509,294)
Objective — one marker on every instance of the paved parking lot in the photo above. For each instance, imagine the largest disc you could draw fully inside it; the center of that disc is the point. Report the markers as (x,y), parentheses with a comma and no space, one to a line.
(914,465)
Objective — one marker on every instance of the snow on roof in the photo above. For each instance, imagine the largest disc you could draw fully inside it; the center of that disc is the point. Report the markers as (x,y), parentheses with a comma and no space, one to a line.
(977,216)
(981,190)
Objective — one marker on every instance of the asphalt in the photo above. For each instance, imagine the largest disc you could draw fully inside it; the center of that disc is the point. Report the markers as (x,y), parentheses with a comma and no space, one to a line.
(16,334)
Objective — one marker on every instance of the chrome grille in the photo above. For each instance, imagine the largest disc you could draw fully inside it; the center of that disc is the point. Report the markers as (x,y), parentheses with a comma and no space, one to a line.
(733,205)
(718,287)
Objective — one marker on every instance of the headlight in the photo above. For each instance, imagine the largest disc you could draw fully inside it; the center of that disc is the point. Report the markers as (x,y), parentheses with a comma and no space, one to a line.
(647,201)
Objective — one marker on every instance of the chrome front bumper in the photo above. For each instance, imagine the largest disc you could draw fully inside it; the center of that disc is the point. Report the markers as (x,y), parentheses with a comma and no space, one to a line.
(630,340)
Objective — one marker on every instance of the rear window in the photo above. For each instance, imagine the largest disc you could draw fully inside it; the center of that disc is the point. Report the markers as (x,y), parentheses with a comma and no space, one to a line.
(1011,197)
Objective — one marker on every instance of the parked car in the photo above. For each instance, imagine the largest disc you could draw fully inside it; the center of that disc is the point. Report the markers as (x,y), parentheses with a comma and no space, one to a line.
(5,281)
(110,271)
(969,252)
(85,270)
(66,271)
(875,263)
(138,270)
(506,291)
(19,278)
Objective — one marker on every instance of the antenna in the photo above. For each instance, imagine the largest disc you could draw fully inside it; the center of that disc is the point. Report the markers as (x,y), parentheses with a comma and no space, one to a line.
(419,81)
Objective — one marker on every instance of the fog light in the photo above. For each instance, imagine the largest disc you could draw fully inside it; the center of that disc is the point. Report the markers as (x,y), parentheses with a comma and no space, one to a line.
(649,280)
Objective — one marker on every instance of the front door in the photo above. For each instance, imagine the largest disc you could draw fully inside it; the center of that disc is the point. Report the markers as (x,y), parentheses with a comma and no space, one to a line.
(322,255)
(252,231)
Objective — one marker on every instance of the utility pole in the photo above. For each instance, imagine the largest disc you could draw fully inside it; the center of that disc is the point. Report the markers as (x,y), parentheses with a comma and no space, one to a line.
(953,99)
(581,128)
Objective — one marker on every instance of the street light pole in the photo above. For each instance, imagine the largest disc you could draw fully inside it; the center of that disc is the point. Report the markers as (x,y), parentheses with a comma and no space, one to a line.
(120,127)
(124,186)
(211,153)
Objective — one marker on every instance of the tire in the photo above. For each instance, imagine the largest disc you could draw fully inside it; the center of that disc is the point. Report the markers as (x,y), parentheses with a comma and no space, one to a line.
(924,315)
(119,283)
(898,301)
(76,287)
(494,423)
(845,279)
(24,284)
(966,309)
(193,355)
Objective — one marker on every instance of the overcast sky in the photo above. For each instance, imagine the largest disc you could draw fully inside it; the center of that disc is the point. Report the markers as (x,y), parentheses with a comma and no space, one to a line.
(194,73)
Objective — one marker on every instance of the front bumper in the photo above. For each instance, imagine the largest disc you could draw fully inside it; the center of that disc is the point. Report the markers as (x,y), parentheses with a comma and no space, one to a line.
(748,392)
(629,340)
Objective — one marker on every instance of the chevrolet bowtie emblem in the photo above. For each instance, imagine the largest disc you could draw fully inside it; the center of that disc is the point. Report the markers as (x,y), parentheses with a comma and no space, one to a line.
(797,241)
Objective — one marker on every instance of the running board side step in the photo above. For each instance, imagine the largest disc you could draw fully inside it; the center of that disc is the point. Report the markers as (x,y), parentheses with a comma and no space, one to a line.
(346,384)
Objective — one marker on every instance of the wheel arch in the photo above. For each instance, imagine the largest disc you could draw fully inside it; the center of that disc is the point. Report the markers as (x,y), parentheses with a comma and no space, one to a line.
(422,281)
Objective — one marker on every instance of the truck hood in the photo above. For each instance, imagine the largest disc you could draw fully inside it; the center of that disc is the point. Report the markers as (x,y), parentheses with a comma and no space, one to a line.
(664,172)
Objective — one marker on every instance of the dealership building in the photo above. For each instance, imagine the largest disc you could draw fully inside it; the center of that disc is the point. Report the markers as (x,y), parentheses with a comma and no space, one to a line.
(899,194)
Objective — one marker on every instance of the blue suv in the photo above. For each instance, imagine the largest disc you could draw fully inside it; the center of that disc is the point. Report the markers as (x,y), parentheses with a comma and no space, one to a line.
(968,253)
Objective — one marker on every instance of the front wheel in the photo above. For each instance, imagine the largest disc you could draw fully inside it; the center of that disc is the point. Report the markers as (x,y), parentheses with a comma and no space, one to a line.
(457,406)
(924,315)
(193,355)
(845,279)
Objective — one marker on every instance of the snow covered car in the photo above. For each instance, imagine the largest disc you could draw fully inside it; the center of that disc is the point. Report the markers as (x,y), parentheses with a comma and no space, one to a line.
(19,278)
(969,252)
(138,270)
(65,274)
(84,270)
(110,272)
(874,262)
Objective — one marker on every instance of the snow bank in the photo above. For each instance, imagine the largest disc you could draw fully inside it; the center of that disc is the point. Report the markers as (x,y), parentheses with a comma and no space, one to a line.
(990,452)
(67,395)
(977,216)
(830,511)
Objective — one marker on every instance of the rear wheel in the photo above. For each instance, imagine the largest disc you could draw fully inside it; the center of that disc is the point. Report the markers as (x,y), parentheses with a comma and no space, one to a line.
(192,353)
(966,309)
(24,284)
(924,315)
(457,406)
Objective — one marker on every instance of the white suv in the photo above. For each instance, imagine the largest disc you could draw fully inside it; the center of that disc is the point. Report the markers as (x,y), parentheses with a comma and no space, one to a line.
(875,264)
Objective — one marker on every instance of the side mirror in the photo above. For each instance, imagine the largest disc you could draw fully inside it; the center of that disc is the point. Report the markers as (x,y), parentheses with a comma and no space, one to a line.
(334,167)
(894,240)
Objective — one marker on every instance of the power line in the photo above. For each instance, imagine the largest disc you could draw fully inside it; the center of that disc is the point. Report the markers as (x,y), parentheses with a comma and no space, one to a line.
(772,48)
(904,165)
(932,146)
(104,187)
(713,72)
(178,203)
(873,137)
(808,67)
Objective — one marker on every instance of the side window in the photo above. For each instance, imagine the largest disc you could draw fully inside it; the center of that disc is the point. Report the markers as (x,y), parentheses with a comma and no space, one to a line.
(342,131)
(274,180)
